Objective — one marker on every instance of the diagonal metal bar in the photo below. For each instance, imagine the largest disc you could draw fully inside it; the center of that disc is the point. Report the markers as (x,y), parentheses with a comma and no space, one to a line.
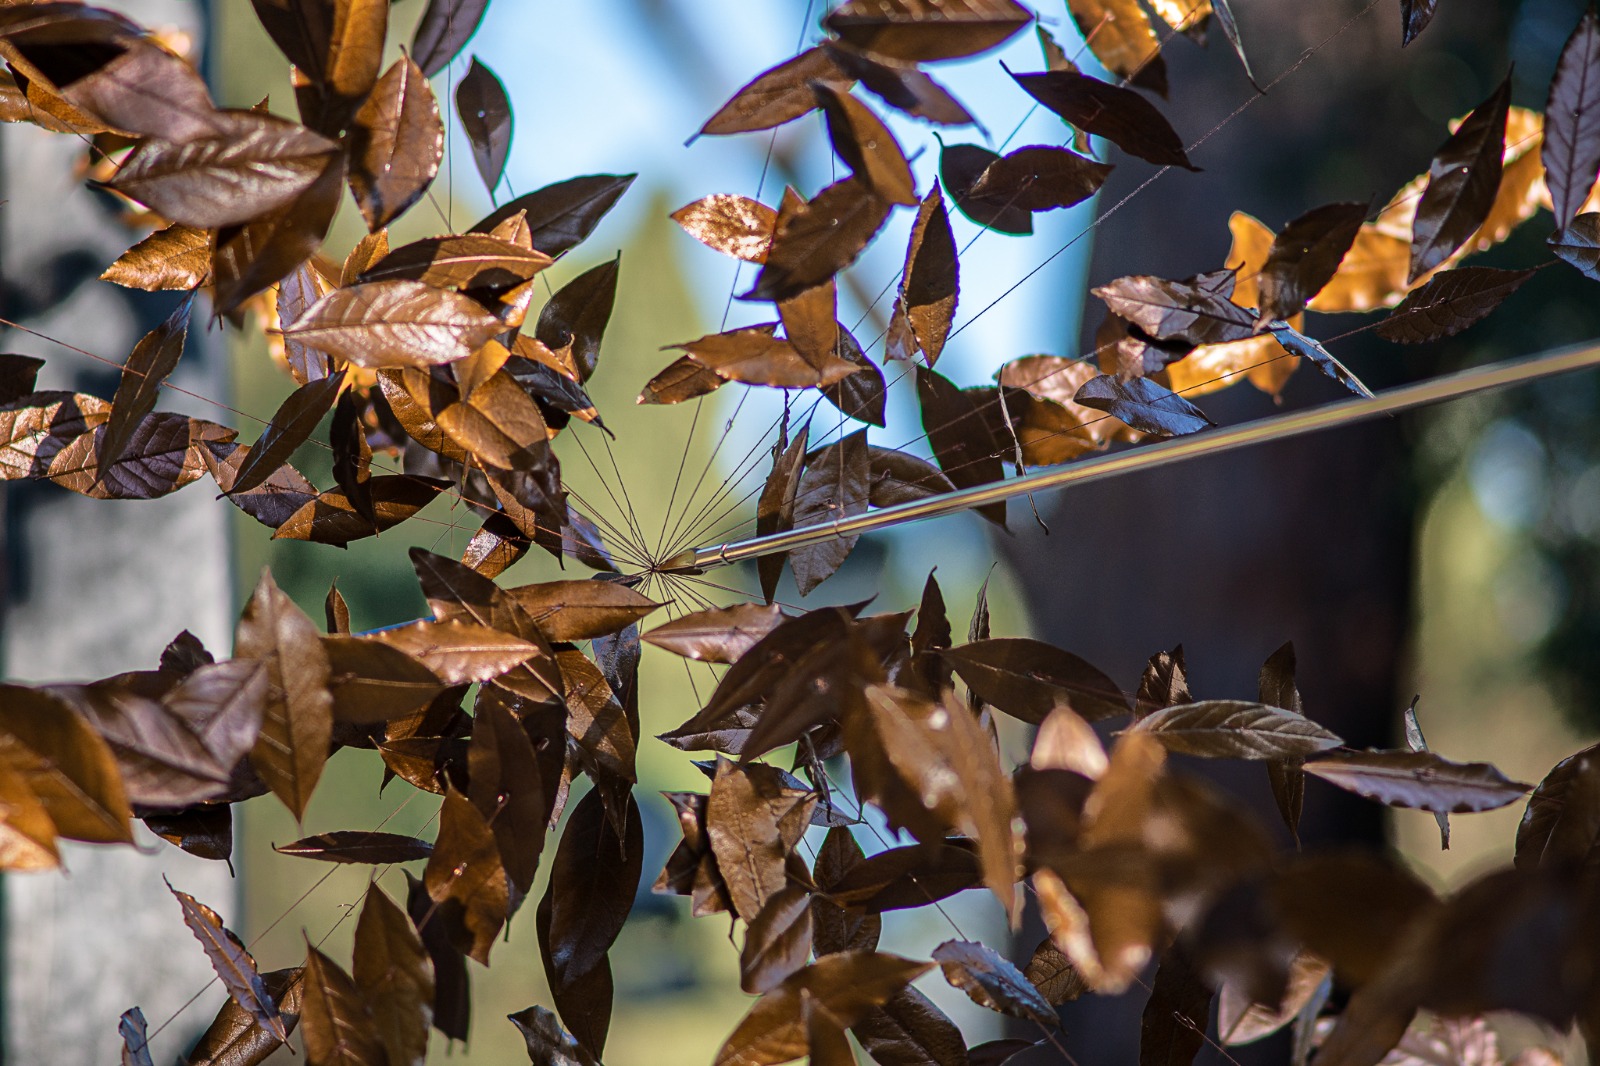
(1279,427)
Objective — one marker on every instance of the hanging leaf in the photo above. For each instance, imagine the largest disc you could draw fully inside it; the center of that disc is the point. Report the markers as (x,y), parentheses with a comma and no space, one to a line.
(61,763)
(460,652)
(177,257)
(331,517)
(1304,257)
(1177,310)
(778,941)
(1027,678)
(835,485)
(581,610)
(961,428)
(1571,148)
(232,963)
(235,1038)
(733,225)
(560,216)
(485,112)
(391,969)
(395,324)
(929,283)
(396,144)
(466,879)
(1449,303)
(920,33)
(1173,1027)
(1233,729)
(1040,178)
(683,380)
(1296,343)
(291,426)
(775,506)
(358,846)
(1579,245)
(961,167)
(909,1028)
(506,785)
(820,239)
(574,319)
(549,1044)
(1052,973)
(444,30)
(1419,779)
(295,734)
(153,359)
(1562,820)
(1143,404)
(1414,18)
(1119,34)
(247,259)
(252,165)
(336,1022)
(900,85)
(781,94)
(1120,115)
(752,825)
(990,980)
(754,356)
(1277,689)
(866,145)
(1462,182)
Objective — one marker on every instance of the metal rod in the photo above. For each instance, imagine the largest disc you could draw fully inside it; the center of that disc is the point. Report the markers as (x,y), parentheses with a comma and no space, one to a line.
(1279,427)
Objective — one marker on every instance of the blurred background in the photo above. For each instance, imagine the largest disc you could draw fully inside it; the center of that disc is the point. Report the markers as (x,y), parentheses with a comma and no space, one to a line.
(1451,553)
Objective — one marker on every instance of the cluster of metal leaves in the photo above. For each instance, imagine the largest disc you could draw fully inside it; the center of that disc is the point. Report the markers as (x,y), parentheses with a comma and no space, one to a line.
(420,351)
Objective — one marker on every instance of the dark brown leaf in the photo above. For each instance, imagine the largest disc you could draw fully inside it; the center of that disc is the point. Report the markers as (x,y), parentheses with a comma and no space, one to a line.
(444,30)
(1463,180)
(153,359)
(865,145)
(560,216)
(367,847)
(775,506)
(990,980)
(1173,1028)
(178,257)
(1296,343)
(921,32)
(332,519)
(907,877)
(1052,973)
(506,785)
(248,258)
(898,477)
(235,1038)
(1040,178)
(396,144)
(549,1044)
(1414,18)
(574,318)
(395,324)
(466,878)
(1178,310)
(1579,245)
(1304,256)
(485,112)
(1277,689)
(1419,779)
(291,426)
(733,225)
(1350,909)
(1571,147)
(908,1030)
(61,763)
(251,165)
(781,94)
(683,380)
(1451,301)
(1235,729)
(820,239)
(778,941)
(752,825)
(336,1022)
(966,432)
(1143,404)
(205,832)
(961,167)
(295,734)
(395,976)
(834,486)
(1027,678)
(929,284)
(1120,115)
(1562,820)
(452,1008)
(902,86)
(232,963)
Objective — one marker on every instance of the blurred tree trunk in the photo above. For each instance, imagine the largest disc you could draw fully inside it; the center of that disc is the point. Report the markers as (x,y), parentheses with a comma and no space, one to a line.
(91,590)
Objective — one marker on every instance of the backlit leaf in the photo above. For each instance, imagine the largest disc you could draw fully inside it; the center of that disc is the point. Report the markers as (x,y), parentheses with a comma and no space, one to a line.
(733,225)
(820,239)
(990,980)
(1233,729)
(929,283)
(335,1020)
(777,942)
(396,144)
(177,257)
(53,754)
(781,94)
(1462,182)
(1120,36)
(232,963)
(1419,779)
(395,324)
(393,972)
(331,518)
(468,261)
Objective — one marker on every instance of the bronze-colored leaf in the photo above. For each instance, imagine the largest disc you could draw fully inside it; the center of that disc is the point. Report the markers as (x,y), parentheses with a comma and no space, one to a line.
(1562,821)
(753,356)
(153,359)
(444,30)
(560,216)
(866,145)
(164,453)
(781,94)
(1120,115)
(581,610)
(716,635)
(752,825)
(573,320)
(1304,257)
(354,57)
(1120,36)
(929,284)
(914,876)
(56,759)
(466,878)
(251,165)
(336,1021)
(921,32)
(1462,182)
(902,86)
(177,257)
(460,652)
(271,503)
(235,1038)
(683,380)
(1186,311)
(396,144)
(778,941)
(233,964)
(506,784)
(834,485)
(1419,779)
(395,976)
(205,832)
(1450,302)
(331,518)
(36,428)
(294,741)
(468,261)
(820,239)
(733,225)
(990,980)
(485,112)
(961,167)
(1027,678)
(395,324)
(1065,741)
(775,506)
(1052,973)
(907,1029)
(1236,729)
(250,257)
(367,847)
